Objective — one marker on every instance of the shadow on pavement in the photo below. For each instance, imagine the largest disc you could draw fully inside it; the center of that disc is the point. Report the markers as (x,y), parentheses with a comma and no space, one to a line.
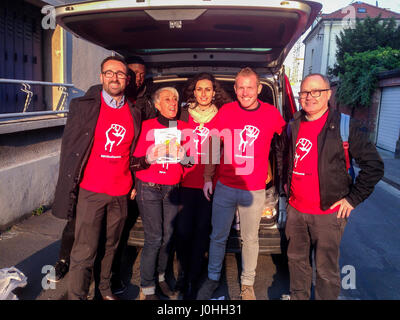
(32,268)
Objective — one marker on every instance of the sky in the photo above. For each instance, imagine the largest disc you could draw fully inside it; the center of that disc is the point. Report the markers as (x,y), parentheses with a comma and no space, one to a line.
(330,6)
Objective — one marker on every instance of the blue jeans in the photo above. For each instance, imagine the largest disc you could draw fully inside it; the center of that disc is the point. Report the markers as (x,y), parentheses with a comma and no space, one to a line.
(158,207)
(249,205)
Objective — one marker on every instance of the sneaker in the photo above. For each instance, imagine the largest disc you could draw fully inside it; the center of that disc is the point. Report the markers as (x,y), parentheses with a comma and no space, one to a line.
(247,293)
(166,291)
(207,289)
(61,269)
(117,286)
(285,297)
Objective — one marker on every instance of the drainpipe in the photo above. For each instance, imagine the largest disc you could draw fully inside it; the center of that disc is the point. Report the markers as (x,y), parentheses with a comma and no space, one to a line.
(329,48)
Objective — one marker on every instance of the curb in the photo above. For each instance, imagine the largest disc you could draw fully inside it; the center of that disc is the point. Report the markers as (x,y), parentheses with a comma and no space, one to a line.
(392,183)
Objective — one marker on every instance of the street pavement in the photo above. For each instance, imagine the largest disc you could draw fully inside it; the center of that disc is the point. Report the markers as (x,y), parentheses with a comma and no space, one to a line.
(33,245)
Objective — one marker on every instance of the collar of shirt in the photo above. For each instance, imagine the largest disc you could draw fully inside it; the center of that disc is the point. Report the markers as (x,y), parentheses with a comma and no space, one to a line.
(111,102)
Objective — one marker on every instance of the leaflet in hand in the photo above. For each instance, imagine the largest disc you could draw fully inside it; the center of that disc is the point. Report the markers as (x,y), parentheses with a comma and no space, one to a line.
(164,136)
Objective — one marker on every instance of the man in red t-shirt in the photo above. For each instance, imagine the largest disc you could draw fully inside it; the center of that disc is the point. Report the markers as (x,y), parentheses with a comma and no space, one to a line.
(321,193)
(246,128)
(95,178)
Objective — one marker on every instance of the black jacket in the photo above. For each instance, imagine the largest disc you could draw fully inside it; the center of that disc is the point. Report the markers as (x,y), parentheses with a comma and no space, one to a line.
(76,145)
(334,181)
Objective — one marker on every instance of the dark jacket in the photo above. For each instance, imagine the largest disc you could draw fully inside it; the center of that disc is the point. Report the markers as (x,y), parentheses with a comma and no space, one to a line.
(334,181)
(144,100)
(76,146)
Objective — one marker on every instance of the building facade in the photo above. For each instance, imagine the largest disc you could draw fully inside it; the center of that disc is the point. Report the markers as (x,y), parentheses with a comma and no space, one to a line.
(320,43)
(42,67)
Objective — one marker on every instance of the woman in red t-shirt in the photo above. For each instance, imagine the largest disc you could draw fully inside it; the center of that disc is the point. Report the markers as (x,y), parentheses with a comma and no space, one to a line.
(158,165)
(204,97)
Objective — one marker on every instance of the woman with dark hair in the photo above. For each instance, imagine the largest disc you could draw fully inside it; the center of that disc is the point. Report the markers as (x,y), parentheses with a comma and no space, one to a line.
(204,96)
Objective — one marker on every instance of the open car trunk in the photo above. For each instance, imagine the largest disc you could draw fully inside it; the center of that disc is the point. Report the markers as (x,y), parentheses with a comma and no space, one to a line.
(218,32)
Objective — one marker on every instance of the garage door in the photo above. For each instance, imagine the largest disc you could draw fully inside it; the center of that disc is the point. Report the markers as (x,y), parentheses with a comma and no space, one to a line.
(20,54)
(389,119)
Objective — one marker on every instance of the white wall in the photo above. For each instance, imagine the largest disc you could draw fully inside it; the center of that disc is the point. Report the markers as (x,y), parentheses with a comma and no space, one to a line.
(313,61)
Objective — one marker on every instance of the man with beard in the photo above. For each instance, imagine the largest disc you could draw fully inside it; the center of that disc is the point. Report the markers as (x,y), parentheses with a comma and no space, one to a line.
(94,178)
(139,91)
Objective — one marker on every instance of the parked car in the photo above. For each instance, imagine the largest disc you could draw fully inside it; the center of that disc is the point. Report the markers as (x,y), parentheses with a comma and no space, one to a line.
(179,38)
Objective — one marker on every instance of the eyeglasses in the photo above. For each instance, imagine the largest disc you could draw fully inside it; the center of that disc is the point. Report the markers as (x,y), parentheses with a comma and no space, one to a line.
(110,74)
(313,93)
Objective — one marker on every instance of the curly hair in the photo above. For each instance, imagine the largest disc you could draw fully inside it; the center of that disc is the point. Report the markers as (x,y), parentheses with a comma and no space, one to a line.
(221,96)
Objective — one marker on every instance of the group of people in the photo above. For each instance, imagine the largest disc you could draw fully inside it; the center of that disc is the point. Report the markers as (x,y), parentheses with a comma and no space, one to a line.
(190,168)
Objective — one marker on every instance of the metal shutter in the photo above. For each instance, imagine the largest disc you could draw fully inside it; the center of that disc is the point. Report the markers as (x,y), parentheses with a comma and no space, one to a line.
(389,119)
(20,54)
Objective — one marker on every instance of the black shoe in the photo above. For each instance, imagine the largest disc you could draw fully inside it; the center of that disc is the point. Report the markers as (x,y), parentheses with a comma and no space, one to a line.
(207,289)
(61,269)
(117,286)
(166,291)
(190,292)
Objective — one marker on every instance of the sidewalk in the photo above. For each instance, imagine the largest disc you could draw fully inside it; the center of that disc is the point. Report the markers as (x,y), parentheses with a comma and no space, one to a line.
(34,243)
(29,246)
(392,168)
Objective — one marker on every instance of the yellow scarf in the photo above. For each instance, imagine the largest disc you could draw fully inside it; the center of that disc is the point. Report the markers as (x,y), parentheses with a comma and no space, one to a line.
(202,116)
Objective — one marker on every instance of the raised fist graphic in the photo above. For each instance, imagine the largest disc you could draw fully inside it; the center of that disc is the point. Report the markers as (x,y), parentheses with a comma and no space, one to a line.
(201,134)
(247,137)
(113,134)
(303,147)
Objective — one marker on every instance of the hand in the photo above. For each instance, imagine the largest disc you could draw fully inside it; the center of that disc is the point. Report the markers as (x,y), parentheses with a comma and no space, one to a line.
(208,190)
(176,150)
(157,151)
(133,194)
(345,208)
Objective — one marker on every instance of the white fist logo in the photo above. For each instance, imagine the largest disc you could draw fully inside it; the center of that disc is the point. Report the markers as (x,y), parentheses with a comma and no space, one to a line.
(201,134)
(113,134)
(303,147)
(247,137)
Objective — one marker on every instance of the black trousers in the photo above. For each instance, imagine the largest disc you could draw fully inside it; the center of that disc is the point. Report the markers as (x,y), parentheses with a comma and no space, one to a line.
(323,233)
(193,227)
(92,208)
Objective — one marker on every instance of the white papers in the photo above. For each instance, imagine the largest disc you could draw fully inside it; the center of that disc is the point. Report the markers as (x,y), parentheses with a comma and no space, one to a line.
(164,136)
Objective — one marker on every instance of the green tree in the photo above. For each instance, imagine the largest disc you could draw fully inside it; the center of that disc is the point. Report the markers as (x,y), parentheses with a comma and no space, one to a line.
(359,76)
(368,34)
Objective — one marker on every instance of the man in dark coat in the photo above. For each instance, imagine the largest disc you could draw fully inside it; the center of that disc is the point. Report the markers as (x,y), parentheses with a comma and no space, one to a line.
(94,178)
(141,89)
(321,193)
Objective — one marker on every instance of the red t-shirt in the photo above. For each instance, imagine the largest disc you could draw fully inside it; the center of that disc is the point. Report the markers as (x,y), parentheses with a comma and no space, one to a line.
(305,196)
(246,136)
(107,170)
(193,176)
(160,173)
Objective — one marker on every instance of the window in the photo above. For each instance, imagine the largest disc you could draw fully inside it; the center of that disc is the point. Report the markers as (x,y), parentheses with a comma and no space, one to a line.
(361,10)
